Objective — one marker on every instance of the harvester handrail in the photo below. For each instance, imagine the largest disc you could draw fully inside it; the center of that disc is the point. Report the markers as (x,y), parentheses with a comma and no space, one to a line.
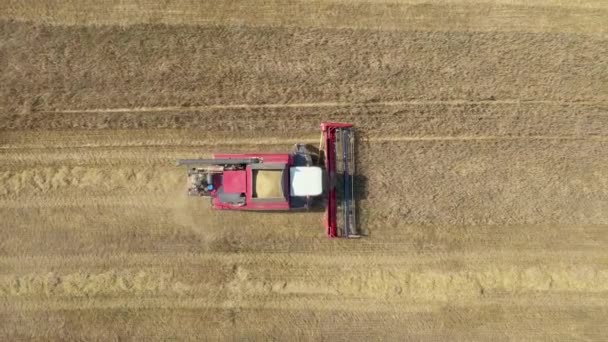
(224,161)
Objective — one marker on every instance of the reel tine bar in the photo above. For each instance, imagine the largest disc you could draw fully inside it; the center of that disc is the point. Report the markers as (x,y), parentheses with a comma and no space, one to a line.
(339,141)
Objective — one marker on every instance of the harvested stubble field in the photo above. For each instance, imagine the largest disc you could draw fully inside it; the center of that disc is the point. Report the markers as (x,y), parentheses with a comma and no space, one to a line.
(483,154)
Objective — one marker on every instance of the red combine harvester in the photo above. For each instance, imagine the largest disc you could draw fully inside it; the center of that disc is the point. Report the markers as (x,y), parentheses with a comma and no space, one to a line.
(299,180)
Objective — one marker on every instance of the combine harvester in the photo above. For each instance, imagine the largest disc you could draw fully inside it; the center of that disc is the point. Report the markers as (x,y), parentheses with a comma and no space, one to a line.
(285,181)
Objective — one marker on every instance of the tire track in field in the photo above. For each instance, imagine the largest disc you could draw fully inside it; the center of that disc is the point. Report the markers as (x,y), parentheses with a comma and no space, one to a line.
(420,120)
(407,259)
(283,141)
(323,104)
(477,16)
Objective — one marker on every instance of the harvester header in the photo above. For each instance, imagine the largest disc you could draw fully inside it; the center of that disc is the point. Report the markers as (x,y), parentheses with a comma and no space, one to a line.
(338,145)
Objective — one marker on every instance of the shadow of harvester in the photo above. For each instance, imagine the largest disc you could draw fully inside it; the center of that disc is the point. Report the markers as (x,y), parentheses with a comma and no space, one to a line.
(359,181)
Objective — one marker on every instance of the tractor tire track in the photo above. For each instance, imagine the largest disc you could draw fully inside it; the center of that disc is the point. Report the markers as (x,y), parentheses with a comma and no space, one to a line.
(319,104)
(473,16)
(484,119)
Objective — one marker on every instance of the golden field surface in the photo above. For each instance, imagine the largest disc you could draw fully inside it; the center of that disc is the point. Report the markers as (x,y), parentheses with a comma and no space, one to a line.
(482,154)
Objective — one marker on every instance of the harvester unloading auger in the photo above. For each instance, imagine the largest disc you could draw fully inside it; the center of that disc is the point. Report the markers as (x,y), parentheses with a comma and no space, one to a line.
(285,181)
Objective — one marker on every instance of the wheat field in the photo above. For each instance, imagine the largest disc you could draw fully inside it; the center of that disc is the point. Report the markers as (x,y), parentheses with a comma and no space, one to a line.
(482,153)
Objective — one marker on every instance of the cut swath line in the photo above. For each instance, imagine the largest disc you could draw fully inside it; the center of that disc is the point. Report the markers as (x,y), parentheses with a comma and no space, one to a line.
(149,201)
(321,105)
(370,305)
